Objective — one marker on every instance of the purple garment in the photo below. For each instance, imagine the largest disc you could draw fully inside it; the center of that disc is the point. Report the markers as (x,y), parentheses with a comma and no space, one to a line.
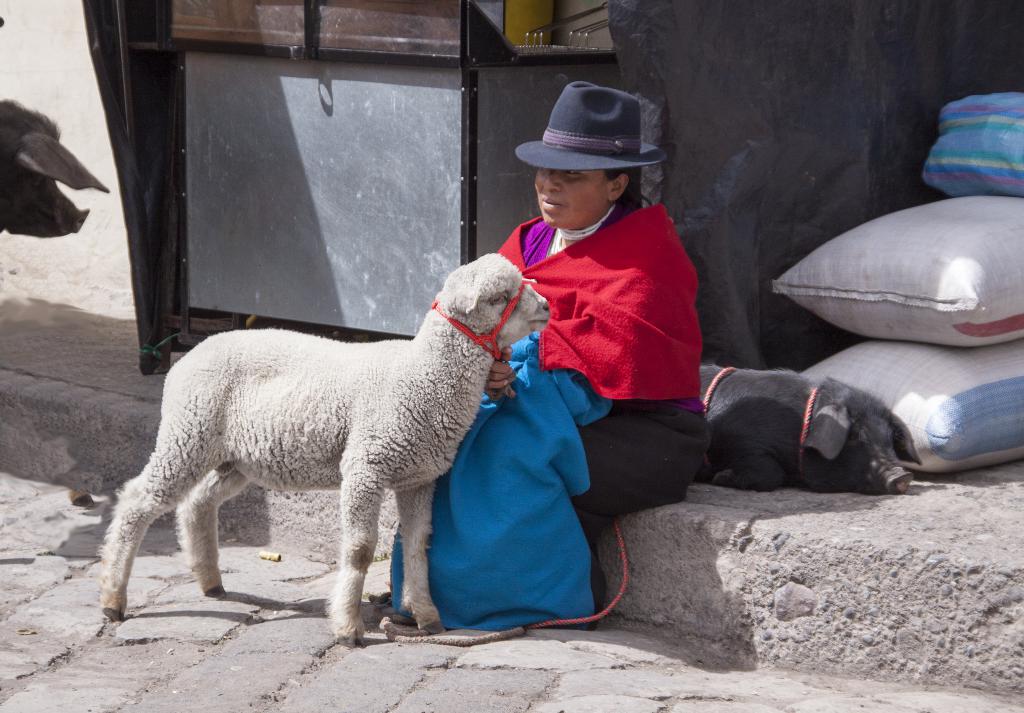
(537,242)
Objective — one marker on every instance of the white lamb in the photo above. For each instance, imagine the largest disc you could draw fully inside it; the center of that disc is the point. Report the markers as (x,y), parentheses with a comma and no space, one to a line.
(297,412)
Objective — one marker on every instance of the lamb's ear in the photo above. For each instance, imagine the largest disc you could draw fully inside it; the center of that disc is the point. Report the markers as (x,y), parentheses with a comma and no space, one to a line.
(46,156)
(829,428)
(902,440)
(466,300)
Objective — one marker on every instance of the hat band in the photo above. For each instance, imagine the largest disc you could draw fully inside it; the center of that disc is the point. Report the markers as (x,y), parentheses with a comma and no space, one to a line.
(591,144)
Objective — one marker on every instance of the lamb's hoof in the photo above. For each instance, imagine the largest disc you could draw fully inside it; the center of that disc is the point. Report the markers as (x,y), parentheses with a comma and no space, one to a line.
(113,614)
(355,641)
(81,500)
(433,627)
(402,619)
(216,592)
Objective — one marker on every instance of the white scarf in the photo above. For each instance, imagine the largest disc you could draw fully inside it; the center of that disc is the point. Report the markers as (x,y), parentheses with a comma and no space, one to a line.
(564,238)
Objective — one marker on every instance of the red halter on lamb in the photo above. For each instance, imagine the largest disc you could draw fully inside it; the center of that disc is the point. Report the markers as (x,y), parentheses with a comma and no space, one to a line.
(489,341)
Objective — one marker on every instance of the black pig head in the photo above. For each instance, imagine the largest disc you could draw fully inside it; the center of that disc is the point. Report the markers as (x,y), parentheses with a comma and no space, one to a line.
(759,441)
(32,159)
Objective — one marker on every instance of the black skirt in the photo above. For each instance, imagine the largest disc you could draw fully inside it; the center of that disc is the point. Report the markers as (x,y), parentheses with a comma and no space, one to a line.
(638,459)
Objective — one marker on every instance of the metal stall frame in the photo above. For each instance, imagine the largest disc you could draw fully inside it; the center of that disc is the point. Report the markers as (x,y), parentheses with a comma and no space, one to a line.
(482,45)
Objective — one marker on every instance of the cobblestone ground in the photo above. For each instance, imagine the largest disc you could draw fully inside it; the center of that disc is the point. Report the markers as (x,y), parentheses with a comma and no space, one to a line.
(267,645)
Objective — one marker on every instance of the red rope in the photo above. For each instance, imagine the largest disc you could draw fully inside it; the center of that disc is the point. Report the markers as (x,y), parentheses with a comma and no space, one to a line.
(612,604)
(489,344)
(708,394)
(808,413)
(714,385)
(624,558)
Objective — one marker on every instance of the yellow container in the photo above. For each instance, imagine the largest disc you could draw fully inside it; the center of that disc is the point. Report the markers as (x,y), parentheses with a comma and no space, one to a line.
(521,16)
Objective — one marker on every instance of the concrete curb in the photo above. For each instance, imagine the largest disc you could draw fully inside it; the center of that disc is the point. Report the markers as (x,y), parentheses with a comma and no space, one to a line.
(829,591)
(83,438)
(927,587)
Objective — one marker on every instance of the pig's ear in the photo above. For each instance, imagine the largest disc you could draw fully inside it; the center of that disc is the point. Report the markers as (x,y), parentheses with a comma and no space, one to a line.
(46,156)
(902,441)
(828,430)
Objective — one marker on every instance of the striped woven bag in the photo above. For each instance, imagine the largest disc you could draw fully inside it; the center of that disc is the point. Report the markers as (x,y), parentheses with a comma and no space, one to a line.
(980,150)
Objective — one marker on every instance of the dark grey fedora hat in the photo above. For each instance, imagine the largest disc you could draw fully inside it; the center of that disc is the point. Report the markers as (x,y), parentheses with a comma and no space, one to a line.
(591,128)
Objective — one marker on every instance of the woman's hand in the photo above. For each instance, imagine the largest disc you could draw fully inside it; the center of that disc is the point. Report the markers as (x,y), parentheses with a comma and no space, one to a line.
(500,377)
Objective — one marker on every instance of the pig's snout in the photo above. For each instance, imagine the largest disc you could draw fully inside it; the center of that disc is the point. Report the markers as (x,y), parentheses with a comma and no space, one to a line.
(898,483)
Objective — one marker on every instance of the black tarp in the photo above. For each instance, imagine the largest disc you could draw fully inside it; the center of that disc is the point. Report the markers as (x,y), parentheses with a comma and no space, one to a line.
(789,122)
(786,123)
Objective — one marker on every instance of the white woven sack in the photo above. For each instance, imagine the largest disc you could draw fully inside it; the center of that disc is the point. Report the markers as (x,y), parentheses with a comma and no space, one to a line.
(964,407)
(950,272)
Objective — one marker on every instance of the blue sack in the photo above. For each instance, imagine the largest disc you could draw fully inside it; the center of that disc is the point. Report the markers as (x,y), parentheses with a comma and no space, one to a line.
(980,150)
(507,548)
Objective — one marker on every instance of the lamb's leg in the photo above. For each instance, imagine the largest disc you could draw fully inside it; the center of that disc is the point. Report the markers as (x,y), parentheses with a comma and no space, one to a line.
(361,495)
(415,508)
(197,524)
(144,498)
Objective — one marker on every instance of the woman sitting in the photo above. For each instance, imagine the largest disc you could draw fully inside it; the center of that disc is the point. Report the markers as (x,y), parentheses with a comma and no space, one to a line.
(597,416)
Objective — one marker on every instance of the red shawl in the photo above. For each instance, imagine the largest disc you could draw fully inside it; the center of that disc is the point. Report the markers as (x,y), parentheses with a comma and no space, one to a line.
(622,308)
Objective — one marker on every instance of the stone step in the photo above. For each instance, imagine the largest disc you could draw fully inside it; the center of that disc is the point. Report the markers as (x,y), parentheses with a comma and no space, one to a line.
(927,587)
(74,409)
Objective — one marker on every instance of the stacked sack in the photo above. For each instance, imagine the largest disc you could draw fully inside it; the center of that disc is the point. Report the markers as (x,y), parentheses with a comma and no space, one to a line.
(943,284)
(980,150)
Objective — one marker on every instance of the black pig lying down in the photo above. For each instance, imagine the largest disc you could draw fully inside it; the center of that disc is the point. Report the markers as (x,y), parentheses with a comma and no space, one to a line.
(31,160)
(759,441)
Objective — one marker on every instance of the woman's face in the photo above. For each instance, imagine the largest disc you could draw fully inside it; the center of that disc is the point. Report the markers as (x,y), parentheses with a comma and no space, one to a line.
(576,199)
